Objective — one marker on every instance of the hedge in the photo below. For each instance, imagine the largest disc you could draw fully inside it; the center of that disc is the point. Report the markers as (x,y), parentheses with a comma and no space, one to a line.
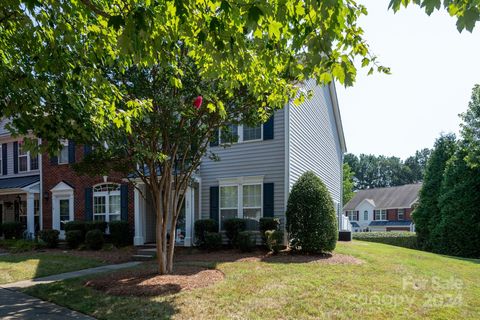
(399,239)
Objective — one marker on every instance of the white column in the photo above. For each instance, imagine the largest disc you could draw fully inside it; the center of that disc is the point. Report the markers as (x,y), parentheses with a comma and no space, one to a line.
(138,240)
(31,214)
(189,204)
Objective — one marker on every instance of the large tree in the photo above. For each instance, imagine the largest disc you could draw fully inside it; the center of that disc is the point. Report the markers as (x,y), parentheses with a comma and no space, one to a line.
(417,164)
(85,70)
(427,214)
(471,128)
(348,185)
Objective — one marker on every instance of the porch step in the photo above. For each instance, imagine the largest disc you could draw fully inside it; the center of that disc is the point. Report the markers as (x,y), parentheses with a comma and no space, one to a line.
(142,257)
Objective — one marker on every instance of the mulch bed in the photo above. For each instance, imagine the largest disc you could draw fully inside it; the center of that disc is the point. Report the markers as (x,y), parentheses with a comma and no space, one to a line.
(146,282)
(107,256)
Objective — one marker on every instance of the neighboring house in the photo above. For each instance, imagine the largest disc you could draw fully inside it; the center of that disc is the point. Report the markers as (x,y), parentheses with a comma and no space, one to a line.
(252,179)
(255,175)
(19,182)
(383,209)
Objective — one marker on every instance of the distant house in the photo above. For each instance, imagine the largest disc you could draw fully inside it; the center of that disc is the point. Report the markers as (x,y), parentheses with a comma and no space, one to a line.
(383,209)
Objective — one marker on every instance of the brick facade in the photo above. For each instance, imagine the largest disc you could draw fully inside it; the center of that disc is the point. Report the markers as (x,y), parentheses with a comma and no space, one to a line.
(392,214)
(52,174)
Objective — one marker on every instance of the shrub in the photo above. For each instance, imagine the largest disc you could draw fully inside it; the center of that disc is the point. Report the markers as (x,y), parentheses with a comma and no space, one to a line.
(50,237)
(76,225)
(95,225)
(22,245)
(94,239)
(233,227)
(201,228)
(399,239)
(311,217)
(74,238)
(274,240)
(120,233)
(213,240)
(246,241)
(13,230)
(268,224)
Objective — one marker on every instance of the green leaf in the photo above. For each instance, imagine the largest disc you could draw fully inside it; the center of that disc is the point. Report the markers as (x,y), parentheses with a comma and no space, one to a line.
(116,22)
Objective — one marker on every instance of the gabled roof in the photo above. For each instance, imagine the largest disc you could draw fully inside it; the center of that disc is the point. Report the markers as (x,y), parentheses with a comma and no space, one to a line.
(18,182)
(385,198)
(390,223)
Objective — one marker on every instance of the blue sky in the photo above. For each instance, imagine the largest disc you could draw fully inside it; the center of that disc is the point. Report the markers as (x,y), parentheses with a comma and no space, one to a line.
(434,68)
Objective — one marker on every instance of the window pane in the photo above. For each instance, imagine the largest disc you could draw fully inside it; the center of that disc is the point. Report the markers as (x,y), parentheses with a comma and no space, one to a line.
(99,205)
(114,205)
(114,217)
(22,162)
(229,197)
(100,217)
(227,214)
(63,156)
(229,134)
(34,163)
(64,208)
(252,196)
(252,216)
(365,215)
(252,133)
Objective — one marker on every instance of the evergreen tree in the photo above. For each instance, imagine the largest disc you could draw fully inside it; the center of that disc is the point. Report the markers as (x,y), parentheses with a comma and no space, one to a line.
(471,128)
(347,183)
(427,214)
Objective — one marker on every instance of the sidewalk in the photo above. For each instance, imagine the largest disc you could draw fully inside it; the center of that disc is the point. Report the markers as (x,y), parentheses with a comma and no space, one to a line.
(17,305)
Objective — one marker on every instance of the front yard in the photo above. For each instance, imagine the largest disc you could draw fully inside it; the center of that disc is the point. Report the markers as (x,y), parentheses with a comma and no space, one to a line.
(390,282)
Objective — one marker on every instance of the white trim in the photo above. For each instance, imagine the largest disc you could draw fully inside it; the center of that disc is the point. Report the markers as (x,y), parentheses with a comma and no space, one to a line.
(241,180)
(287,154)
(336,114)
(61,193)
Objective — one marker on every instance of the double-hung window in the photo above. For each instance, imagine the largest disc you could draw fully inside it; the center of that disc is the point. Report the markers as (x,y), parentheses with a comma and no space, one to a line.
(380,214)
(22,158)
(365,215)
(229,134)
(241,200)
(401,214)
(352,215)
(241,133)
(252,133)
(63,152)
(106,202)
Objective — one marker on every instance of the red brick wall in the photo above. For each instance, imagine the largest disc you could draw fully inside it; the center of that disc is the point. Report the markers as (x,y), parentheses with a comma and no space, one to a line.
(398,229)
(392,214)
(53,174)
(408,213)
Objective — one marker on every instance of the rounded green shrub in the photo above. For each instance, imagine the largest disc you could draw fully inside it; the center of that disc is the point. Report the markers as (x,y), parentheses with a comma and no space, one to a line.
(96,225)
(274,240)
(120,233)
(233,227)
(50,237)
(74,238)
(94,239)
(13,230)
(213,240)
(246,241)
(76,225)
(268,223)
(311,217)
(202,227)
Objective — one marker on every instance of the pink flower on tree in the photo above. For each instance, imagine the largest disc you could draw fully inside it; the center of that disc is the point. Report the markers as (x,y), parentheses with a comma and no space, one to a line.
(198,102)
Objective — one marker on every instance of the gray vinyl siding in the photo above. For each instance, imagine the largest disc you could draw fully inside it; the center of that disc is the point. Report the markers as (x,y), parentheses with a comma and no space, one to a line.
(314,142)
(265,158)
(10,164)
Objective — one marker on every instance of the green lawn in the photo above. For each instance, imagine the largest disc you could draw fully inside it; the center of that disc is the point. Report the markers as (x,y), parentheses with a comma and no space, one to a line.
(22,266)
(392,282)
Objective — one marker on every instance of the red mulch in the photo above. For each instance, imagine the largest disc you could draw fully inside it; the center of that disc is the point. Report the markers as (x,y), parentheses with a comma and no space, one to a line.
(148,282)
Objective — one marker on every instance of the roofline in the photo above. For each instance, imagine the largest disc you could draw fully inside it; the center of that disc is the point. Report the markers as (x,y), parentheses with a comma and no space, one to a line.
(389,208)
(338,117)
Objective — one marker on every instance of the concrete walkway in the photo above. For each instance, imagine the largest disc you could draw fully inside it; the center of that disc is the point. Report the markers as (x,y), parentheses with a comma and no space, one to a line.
(17,305)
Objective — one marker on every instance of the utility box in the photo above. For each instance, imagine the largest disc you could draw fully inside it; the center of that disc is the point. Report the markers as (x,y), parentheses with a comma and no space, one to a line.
(345,236)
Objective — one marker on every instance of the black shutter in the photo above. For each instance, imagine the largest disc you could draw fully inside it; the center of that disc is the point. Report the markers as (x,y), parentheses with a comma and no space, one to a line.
(15,157)
(89,204)
(268,129)
(214,203)
(268,199)
(214,141)
(87,149)
(71,151)
(4,159)
(124,202)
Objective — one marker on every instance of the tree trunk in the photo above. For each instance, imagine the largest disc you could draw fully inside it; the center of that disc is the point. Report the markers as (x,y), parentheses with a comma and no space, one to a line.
(161,254)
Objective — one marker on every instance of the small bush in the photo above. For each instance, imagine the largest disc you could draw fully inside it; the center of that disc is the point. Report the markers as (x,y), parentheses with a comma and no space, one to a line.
(201,228)
(120,233)
(246,241)
(268,224)
(76,225)
(274,240)
(12,230)
(50,237)
(74,238)
(213,240)
(95,225)
(311,218)
(94,239)
(399,239)
(232,228)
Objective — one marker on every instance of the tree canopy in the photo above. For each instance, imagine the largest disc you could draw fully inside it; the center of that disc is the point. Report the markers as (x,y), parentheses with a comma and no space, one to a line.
(348,185)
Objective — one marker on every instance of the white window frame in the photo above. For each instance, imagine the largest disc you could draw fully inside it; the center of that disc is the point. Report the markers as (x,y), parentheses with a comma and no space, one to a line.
(239,182)
(365,215)
(64,144)
(106,194)
(352,216)
(382,213)
(240,133)
(398,214)
(21,154)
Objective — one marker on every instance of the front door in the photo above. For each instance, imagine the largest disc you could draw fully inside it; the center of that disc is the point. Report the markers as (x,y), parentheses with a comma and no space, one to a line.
(62,213)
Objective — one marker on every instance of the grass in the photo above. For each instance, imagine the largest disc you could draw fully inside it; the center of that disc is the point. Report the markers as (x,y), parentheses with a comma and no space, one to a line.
(23,266)
(392,283)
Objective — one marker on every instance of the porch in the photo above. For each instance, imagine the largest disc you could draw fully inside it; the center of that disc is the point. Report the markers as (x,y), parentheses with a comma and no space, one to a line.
(20,202)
